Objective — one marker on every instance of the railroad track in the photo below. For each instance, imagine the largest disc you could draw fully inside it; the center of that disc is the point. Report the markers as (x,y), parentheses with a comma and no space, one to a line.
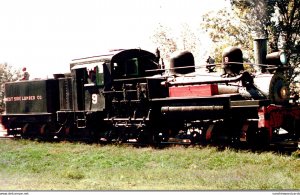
(285,146)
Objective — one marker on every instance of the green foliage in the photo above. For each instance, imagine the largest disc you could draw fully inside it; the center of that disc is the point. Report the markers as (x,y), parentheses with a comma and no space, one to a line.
(225,29)
(279,20)
(288,26)
(28,165)
(253,16)
(6,74)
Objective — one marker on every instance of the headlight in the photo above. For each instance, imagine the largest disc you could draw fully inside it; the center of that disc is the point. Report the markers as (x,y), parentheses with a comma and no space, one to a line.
(276,58)
(283,58)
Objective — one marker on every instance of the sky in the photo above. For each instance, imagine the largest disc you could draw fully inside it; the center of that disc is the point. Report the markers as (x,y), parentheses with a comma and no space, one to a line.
(45,35)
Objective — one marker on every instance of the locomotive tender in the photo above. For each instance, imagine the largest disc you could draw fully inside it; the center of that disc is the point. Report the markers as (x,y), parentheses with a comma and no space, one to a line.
(127,96)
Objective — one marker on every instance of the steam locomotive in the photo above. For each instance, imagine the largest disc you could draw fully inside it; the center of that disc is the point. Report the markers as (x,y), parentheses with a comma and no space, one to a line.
(127,96)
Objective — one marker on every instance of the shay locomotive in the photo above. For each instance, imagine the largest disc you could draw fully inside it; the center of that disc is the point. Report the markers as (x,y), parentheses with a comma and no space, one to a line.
(127,96)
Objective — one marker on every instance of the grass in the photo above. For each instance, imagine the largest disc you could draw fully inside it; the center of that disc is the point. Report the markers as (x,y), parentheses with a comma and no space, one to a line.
(30,165)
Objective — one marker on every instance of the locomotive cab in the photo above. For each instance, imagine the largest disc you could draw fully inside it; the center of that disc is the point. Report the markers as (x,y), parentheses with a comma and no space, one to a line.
(92,76)
(82,99)
(88,82)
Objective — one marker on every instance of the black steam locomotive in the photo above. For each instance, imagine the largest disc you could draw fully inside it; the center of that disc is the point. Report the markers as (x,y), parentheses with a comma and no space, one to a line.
(127,96)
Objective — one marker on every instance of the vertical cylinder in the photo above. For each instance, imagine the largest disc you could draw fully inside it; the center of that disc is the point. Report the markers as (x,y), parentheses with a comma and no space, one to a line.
(260,50)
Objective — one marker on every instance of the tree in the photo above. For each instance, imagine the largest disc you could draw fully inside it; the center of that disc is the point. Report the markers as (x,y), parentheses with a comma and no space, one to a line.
(279,20)
(253,16)
(188,38)
(287,30)
(182,38)
(165,41)
(7,74)
(224,29)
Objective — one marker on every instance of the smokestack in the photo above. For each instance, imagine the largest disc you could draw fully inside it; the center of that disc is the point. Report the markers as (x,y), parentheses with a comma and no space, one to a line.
(260,50)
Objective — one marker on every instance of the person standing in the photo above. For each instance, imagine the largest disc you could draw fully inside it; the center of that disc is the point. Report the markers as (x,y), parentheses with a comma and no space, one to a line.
(25,74)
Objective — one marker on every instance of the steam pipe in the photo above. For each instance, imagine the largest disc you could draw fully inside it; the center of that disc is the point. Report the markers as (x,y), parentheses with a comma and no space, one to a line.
(227,80)
(167,109)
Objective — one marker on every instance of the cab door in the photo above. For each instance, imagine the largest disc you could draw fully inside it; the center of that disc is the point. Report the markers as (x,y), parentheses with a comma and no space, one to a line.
(94,98)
